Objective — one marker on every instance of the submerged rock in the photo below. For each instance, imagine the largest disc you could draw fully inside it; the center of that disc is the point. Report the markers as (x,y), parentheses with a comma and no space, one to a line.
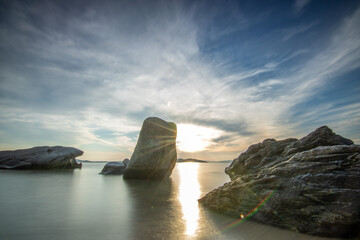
(311,185)
(115,167)
(154,156)
(41,158)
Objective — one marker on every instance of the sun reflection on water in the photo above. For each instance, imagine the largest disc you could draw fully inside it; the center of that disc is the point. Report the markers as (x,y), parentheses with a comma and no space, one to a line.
(189,193)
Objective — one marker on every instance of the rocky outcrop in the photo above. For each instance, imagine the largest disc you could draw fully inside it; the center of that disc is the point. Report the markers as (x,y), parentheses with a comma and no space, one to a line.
(41,158)
(311,185)
(115,168)
(154,156)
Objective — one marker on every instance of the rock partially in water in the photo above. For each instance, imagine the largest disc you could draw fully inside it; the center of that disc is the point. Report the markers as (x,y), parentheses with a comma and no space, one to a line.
(41,158)
(115,168)
(311,185)
(154,156)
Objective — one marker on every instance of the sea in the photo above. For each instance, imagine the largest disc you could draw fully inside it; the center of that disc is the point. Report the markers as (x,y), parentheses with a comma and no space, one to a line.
(82,204)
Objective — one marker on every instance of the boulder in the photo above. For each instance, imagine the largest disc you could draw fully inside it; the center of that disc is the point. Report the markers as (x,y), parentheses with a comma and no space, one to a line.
(154,156)
(311,185)
(41,158)
(115,167)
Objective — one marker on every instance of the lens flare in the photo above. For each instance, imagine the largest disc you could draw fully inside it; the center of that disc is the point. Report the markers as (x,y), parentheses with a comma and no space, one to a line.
(249,214)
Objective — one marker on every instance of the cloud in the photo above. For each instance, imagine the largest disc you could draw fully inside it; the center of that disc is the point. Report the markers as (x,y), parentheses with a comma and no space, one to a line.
(341,56)
(224,138)
(238,127)
(291,32)
(105,69)
(300,4)
(79,130)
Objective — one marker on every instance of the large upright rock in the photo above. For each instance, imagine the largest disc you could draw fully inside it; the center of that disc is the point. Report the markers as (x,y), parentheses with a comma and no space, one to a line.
(41,158)
(154,156)
(311,185)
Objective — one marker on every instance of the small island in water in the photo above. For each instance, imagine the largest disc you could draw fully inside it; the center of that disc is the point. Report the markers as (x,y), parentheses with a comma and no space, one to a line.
(180,160)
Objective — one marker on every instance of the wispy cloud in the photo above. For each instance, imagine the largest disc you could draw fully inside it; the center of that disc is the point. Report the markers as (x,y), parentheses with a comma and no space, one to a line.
(342,55)
(96,73)
(300,4)
(291,32)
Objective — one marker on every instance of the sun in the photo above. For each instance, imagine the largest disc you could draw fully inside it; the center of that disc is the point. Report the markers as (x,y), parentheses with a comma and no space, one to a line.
(193,138)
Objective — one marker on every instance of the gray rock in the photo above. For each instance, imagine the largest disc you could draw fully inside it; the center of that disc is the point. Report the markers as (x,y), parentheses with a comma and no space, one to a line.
(115,167)
(126,161)
(311,185)
(154,156)
(41,158)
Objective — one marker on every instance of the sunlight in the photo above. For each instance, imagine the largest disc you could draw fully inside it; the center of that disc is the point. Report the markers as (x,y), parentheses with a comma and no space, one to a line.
(189,192)
(192,138)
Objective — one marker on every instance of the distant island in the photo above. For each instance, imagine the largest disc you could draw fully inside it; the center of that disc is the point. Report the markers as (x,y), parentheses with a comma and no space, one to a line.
(201,161)
(88,161)
(190,160)
(223,161)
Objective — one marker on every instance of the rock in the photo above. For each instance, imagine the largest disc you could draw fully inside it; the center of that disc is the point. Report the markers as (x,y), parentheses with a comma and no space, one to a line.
(115,167)
(126,161)
(154,156)
(41,158)
(311,185)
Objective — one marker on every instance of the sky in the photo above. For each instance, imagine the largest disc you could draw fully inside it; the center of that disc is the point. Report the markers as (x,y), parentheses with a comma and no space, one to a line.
(229,73)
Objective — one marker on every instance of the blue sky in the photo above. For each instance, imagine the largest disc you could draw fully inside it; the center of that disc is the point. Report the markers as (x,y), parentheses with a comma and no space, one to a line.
(86,73)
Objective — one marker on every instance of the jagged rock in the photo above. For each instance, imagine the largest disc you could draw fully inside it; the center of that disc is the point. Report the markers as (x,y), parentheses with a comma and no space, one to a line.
(40,158)
(154,156)
(311,185)
(115,167)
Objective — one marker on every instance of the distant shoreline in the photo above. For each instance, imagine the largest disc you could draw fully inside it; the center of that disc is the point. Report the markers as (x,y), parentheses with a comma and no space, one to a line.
(180,160)
(88,161)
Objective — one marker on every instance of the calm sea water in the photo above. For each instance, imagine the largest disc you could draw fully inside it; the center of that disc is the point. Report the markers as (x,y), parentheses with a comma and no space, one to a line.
(80,204)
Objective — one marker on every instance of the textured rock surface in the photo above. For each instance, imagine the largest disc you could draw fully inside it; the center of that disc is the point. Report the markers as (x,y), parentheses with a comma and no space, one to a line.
(40,158)
(154,156)
(115,167)
(311,185)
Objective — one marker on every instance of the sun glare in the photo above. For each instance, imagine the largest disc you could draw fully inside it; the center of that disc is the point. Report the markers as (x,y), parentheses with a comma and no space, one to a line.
(189,192)
(192,138)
